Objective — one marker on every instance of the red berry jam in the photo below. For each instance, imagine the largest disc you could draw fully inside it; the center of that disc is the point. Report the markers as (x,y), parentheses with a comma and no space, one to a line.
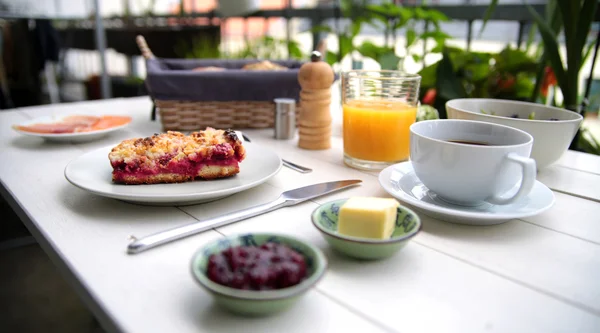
(266,267)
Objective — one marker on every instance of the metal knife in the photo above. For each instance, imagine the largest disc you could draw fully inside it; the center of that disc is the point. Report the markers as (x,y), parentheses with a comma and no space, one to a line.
(288,198)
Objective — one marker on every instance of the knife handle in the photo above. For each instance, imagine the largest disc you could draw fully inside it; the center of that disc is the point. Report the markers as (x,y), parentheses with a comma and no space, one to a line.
(154,240)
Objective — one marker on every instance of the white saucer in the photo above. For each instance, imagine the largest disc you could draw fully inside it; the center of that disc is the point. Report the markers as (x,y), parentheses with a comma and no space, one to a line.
(66,137)
(401,182)
(92,172)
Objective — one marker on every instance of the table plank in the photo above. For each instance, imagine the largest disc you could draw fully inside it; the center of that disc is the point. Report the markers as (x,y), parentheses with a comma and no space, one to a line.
(580,161)
(572,216)
(574,182)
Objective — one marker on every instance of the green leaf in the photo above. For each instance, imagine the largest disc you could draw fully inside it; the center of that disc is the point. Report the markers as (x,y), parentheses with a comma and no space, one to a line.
(428,76)
(586,53)
(369,50)
(331,58)
(346,7)
(355,27)
(449,85)
(345,45)
(389,61)
(321,28)
(439,47)
(295,51)
(584,22)
(564,7)
(399,24)
(554,16)
(488,13)
(569,11)
(588,142)
(381,17)
(551,51)
(530,37)
(539,76)
(416,57)
(437,16)
(421,13)
(436,34)
(392,10)
(478,72)
(514,61)
(411,36)
(523,86)
(405,13)
(377,9)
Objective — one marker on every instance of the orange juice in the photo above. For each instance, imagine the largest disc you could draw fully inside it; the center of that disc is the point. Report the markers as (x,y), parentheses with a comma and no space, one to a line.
(378,130)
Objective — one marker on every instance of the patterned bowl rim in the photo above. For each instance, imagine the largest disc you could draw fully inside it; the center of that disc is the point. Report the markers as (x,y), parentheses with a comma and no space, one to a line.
(319,262)
(407,236)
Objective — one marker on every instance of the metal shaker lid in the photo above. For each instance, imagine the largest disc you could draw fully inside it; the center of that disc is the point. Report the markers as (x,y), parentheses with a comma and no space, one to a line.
(285,105)
(284,100)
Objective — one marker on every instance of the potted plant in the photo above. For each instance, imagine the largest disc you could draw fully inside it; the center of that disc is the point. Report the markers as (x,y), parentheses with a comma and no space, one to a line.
(392,18)
(574,18)
(509,74)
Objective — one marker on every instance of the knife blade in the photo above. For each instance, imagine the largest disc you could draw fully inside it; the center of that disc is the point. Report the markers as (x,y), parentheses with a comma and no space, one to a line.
(286,199)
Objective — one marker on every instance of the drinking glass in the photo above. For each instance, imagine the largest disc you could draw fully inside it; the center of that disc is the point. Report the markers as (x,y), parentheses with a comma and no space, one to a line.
(379,107)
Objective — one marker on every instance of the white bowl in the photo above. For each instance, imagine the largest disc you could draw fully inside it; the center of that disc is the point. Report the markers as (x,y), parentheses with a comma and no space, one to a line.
(551,138)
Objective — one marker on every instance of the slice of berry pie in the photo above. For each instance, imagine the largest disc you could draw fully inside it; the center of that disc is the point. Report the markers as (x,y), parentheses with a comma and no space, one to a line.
(173,157)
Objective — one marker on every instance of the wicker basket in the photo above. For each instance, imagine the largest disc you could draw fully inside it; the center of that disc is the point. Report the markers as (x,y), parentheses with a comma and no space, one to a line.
(200,109)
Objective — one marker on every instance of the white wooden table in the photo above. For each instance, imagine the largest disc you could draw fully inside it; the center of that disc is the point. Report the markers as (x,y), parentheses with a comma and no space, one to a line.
(539,274)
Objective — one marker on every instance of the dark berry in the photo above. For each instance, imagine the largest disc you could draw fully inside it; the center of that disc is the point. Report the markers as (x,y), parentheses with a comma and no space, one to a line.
(270,266)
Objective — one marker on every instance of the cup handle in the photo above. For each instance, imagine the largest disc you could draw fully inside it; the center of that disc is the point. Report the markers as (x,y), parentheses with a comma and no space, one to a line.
(529,172)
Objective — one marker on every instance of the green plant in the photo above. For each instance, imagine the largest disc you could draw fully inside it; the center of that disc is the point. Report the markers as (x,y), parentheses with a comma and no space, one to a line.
(508,74)
(149,9)
(353,10)
(574,19)
(393,18)
(268,47)
(199,48)
(262,48)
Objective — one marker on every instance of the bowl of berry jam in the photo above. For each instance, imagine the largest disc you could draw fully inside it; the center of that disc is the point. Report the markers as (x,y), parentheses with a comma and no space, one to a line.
(259,273)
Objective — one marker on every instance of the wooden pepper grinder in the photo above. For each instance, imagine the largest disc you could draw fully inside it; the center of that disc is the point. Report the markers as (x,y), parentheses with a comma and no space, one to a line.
(314,119)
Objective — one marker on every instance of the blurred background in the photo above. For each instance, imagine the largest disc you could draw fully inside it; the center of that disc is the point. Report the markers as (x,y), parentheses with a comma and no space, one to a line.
(58,57)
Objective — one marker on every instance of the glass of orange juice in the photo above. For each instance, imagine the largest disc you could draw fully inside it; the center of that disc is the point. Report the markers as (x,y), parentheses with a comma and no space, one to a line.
(379,107)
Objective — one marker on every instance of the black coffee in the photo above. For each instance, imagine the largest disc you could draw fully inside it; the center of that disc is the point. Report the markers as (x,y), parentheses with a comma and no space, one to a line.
(475,143)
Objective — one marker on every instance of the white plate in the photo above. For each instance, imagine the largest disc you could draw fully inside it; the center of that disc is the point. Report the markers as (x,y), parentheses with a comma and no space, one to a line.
(93,172)
(65,137)
(401,182)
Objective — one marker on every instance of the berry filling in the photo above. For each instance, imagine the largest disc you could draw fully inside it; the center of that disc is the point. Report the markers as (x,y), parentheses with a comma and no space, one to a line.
(266,267)
(187,167)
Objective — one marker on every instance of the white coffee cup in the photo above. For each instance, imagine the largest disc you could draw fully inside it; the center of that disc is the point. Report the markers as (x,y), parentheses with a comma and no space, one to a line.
(495,161)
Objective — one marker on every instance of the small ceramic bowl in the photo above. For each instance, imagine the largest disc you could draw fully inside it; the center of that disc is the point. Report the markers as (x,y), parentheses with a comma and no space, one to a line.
(325,219)
(552,129)
(257,303)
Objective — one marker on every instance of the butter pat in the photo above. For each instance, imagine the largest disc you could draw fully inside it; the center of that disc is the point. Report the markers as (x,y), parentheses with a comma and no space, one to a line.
(368,217)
